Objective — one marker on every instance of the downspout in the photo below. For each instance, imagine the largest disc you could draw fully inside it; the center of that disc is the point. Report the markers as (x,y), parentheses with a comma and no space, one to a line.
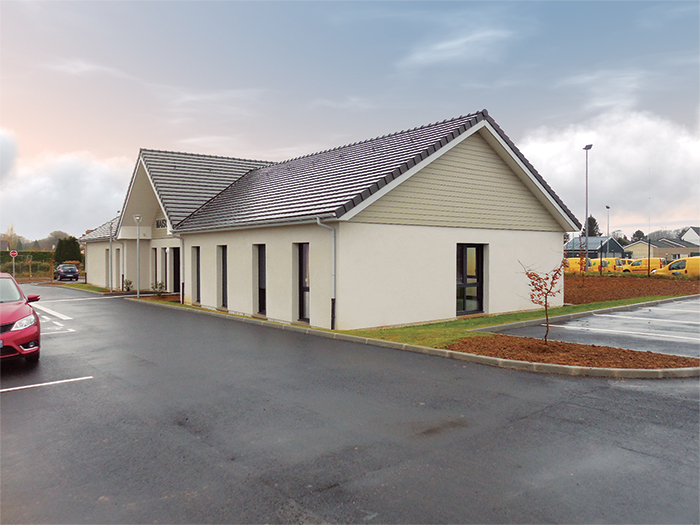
(333,257)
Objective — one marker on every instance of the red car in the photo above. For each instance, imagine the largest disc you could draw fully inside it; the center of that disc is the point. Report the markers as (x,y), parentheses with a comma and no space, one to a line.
(20,331)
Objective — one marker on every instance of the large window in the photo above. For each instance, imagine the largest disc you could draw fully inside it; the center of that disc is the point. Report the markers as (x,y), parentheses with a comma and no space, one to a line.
(470,285)
(303,282)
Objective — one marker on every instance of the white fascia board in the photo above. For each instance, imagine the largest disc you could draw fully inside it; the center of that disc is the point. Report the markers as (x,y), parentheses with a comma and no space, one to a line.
(411,172)
(531,179)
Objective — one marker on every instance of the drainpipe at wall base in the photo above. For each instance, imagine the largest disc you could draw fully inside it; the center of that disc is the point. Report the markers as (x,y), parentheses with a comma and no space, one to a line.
(318,221)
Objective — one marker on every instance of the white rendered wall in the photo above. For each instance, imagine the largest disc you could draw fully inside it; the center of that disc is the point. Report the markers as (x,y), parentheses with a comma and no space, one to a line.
(281,275)
(390,274)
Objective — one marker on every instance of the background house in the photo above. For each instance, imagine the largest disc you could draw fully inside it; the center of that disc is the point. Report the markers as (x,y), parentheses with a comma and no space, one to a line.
(665,248)
(597,247)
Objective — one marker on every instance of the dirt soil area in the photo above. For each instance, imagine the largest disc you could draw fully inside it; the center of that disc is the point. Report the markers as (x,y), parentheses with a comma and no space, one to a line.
(593,289)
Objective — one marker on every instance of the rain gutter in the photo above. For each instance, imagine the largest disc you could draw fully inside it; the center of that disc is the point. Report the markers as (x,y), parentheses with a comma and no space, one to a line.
(333,259)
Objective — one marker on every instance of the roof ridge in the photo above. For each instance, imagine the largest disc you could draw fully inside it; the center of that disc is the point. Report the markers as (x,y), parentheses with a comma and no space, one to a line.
(365,141)
(141,150)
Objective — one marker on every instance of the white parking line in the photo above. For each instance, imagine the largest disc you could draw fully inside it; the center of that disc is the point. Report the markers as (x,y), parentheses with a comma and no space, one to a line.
(45,384)
(643,334)
(66,331)
(664,309)
(52,312)
(82,299)
(646,319)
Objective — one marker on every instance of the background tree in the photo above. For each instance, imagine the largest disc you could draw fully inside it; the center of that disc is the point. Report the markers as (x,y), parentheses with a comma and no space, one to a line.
(11,237)
(593,228)
(620,237)
(638,236)
(67,249)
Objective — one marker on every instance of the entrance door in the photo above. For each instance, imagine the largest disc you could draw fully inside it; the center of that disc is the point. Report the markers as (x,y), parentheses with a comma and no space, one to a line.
(470,272)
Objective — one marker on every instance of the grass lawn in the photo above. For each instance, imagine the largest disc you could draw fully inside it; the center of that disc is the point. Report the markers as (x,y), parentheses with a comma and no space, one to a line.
(83,286)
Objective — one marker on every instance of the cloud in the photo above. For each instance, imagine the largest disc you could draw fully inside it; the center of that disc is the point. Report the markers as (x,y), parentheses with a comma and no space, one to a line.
(479,46)
(608,89)
(71,192)
(79,67)
(646,168)
(8,153)
(349,103)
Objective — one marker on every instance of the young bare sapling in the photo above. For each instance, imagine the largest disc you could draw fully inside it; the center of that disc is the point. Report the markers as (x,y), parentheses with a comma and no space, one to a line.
(542,287)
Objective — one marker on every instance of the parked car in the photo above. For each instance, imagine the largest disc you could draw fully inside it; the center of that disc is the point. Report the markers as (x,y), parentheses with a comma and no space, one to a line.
(20,331)
(607,264)
(573,265)
(683,266)
(66,271)
(645,264)
(622,264)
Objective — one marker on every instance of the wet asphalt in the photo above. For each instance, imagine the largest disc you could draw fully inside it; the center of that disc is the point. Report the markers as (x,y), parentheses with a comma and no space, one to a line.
(180,417)
(669,328)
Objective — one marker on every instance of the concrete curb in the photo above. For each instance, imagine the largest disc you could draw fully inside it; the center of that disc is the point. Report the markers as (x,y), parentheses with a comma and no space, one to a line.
(544,368)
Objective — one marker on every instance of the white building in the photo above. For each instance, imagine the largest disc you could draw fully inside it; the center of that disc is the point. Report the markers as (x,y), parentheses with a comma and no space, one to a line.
(421,225)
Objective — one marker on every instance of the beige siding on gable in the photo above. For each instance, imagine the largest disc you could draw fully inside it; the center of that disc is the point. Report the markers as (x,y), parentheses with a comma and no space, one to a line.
(159,233)
(468,187)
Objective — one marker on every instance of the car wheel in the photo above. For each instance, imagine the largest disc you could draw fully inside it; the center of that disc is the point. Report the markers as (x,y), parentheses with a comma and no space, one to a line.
(33,359)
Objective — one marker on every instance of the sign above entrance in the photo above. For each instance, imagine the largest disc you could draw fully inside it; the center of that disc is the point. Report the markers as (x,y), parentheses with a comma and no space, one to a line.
(161,224)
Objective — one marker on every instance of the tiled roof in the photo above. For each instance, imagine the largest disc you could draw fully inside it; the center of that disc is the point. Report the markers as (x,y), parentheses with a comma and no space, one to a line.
(185,181)
(101,233)
(331,183)
(593,243)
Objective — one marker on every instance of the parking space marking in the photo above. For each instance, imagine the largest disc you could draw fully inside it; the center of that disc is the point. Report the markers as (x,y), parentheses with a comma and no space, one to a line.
(45,384)
(52,312)
(642,334)
(81,299)
(646,319)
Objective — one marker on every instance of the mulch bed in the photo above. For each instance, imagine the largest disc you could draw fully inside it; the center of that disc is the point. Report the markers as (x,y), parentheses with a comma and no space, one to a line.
(561,353)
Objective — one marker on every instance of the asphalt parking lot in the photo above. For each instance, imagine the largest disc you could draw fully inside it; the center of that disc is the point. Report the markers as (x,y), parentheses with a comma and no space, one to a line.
(142,414)
(668,328)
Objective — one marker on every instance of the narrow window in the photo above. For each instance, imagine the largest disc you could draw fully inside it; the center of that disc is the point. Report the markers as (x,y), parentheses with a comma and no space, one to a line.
(196,275)
(107,255)
(303,282)
(262,281)
(470,278)
(165,266)
(222,263)
(155,265)
(176,269)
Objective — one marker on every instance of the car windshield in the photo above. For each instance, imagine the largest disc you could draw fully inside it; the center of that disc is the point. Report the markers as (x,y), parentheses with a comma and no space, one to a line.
(68,267)
(9,292)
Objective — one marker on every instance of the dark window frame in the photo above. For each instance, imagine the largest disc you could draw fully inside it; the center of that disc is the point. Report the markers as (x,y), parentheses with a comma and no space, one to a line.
(466,273)
(303,281)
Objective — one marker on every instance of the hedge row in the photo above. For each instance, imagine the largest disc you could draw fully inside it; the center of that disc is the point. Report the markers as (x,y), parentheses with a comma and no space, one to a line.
(23,255)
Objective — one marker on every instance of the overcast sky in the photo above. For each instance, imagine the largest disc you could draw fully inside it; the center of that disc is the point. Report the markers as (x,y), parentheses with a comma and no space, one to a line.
(84,85)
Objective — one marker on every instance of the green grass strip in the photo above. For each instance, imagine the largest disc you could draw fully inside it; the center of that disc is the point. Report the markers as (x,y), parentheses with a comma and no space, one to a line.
(438,335)
(83,286)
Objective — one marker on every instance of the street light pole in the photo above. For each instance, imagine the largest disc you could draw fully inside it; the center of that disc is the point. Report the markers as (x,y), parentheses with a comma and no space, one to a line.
(137,218)
(608,208)
(585,224)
